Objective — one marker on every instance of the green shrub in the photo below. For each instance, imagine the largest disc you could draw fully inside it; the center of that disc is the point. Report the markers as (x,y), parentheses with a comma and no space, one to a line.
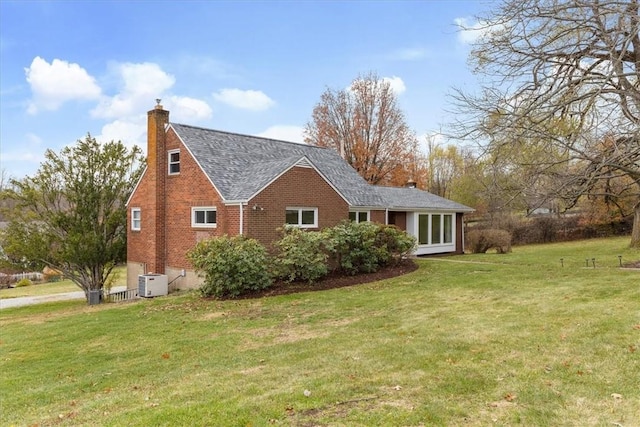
(365,247)
(480,241)
(301,255)
(398,243)
(23,282)
(231,266)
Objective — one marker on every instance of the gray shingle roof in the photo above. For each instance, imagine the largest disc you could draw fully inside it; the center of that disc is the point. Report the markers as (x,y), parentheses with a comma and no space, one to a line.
(413,198)
(241,165)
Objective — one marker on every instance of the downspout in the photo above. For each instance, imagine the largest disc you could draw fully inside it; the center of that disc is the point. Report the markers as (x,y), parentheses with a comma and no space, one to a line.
(462,224)
(240,232)
(386,216)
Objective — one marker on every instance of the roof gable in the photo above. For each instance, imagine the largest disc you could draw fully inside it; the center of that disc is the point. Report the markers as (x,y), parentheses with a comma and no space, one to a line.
(240,166)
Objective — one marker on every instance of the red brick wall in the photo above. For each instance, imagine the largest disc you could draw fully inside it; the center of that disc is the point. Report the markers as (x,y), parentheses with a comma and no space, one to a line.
(298,187)
(166,231)
(141,244)
(399,219)
(145,246)
(190,188)
(378,216)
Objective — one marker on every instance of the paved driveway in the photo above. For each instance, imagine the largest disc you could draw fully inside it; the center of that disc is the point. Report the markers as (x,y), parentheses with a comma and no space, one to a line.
(22,301)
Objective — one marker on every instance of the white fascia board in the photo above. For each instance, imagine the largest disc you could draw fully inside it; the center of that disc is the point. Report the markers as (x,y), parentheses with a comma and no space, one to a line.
(430,210)
(136,186)
(366,208)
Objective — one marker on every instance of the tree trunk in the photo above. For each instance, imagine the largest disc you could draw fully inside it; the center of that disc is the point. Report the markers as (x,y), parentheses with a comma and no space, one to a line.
(635,232)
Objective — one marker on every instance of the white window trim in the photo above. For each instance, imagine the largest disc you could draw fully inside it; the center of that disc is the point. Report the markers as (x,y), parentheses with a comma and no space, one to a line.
(300,209)
(358,215)
(169,163)
(195,209)
(430,230)
(134,219)
(452,229)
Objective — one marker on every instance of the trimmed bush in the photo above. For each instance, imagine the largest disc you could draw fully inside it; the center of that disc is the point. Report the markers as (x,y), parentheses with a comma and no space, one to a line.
(23,282)
(301,256)
(231,266)
(398,243)
(480,241)
(365,247)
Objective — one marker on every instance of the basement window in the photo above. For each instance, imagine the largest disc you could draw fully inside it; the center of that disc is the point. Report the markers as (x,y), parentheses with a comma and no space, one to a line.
(302,217)
(174,162)
(136,219)
(204,217)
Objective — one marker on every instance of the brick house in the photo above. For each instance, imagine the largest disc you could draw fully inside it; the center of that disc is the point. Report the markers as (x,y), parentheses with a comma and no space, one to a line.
(200,183)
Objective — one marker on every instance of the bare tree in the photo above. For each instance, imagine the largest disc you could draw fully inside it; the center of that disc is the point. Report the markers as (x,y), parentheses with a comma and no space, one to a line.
(4,179)
(561,77)
(366,126)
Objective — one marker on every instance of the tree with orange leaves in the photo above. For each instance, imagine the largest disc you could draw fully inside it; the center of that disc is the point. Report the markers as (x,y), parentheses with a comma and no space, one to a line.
(366,126)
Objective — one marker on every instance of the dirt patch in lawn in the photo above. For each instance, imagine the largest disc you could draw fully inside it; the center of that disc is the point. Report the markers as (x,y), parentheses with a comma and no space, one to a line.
(335,280)
(635,264)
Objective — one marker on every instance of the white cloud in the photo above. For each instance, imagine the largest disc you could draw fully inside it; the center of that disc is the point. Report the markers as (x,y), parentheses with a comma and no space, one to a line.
(54,84)
(188,110)
(130,130)
(285,133)
(254,100)
(28,150)
(396,84)
(436,138)
(470,32)
(141,85)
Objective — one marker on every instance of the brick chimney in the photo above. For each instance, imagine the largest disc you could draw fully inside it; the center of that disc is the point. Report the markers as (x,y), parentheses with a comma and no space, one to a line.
(157,166)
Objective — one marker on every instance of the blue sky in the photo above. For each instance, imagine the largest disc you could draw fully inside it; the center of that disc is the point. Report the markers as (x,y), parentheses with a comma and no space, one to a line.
(68,68)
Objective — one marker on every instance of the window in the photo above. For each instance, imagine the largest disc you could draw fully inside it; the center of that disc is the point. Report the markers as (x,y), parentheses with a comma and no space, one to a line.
(423,229)
(302,217)
(359,216)
(136,219)
(174,162)
(448,228)
(203,217)
(435,229)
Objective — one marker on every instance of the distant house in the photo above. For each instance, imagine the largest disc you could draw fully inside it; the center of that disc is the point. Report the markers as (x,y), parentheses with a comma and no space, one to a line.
(200,183)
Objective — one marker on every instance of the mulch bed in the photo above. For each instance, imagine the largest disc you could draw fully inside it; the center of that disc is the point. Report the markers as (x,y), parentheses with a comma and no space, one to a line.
(336,280)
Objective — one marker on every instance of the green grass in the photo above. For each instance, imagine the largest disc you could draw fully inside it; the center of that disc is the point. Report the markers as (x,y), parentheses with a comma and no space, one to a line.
(470,340)
(50,288)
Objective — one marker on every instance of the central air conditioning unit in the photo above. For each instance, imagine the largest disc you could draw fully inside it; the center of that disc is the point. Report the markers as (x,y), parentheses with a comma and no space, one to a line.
(152,285)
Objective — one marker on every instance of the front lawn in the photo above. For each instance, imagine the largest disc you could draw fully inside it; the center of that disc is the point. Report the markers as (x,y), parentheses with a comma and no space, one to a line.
(50,288)
(470,340)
